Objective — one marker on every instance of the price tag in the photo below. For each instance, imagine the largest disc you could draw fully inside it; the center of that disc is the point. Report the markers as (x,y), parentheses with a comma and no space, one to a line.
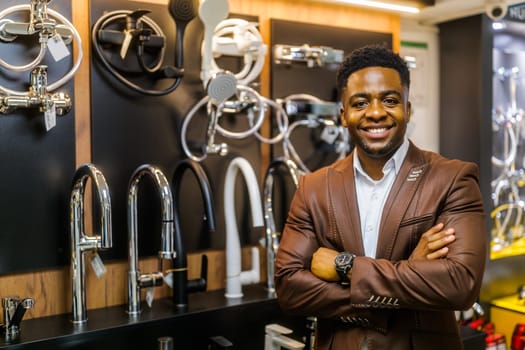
(97,265)
(57,48)
(150,296)
(50,117)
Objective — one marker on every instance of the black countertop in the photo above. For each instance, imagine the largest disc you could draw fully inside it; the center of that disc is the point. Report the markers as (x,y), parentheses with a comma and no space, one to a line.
(208,315)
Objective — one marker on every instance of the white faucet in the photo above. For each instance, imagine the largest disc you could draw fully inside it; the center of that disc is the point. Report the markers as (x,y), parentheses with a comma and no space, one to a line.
(275,338)
(235,278)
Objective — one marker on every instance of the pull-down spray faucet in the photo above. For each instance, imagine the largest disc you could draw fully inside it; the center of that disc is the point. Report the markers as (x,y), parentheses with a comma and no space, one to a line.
(181,285)
(235,278)
(80,242)
(136,281)
(272,237)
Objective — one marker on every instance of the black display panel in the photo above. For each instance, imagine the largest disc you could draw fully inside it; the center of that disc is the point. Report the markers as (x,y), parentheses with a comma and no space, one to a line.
(37,165)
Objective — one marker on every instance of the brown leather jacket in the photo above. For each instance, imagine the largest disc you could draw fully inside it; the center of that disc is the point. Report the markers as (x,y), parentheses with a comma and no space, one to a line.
(393,302)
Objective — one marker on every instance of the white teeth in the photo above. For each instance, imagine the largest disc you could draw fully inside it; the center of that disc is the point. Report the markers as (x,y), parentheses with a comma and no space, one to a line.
(376,131)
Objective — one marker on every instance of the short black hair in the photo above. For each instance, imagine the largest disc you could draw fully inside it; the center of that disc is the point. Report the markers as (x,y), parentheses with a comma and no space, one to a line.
(372,56)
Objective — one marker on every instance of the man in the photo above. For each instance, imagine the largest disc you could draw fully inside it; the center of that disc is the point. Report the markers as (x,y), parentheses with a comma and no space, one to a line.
(405,227)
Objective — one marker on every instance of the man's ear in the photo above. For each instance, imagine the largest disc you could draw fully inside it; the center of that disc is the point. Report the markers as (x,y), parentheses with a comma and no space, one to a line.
(342,116)
(409,111)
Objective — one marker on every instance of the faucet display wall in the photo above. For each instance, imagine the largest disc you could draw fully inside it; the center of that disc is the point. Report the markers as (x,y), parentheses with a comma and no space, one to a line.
(181,285)
(136,280)
(272,236)
(235,278)
(80,241)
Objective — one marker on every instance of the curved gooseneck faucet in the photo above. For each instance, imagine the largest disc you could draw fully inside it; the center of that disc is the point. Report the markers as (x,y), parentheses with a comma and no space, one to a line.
(271,234)
(181,285)
(136,281)
(235,278)
(80,242)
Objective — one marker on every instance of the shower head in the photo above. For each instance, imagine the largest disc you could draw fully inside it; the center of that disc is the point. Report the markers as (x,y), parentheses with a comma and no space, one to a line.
(221,86)
(182,11)
(211,12)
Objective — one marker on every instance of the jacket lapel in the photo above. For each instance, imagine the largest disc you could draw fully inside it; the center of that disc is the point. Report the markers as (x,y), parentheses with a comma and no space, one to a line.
(399,199)
(346,210)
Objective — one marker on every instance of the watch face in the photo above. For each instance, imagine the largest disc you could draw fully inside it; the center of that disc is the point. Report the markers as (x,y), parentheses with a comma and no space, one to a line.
(343,259)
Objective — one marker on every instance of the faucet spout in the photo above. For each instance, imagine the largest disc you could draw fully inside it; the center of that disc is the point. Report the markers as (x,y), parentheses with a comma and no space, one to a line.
(181,285)
(272,236)
(136,281)
(80,242)
(234,276)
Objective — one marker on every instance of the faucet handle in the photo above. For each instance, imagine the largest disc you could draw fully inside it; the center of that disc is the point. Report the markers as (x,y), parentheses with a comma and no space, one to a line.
(200,284)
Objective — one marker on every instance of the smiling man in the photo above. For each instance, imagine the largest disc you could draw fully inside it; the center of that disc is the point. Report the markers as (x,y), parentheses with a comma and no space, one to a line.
(385,244)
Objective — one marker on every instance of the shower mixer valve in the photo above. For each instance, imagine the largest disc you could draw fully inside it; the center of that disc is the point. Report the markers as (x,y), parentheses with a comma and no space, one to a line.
(39,23)
(38,97)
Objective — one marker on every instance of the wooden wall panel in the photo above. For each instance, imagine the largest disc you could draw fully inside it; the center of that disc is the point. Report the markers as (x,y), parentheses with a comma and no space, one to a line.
(51,289)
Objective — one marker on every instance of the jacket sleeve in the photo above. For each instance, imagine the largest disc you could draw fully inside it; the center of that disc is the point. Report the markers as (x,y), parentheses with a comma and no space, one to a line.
(306,229)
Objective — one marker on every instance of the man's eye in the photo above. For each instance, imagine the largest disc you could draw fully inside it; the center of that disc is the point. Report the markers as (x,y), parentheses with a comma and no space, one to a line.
(359,104)
(390,101)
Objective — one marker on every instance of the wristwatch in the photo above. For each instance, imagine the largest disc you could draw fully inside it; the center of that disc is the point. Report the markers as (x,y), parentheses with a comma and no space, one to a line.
(343,263)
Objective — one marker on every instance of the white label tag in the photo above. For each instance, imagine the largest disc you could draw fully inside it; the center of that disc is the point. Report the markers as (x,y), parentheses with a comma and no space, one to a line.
(97,265)
(150,296)
(50,117)
(57,48)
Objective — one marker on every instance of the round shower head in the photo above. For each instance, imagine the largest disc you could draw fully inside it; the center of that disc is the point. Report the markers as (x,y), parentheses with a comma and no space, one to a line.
(183,10)
(221,86)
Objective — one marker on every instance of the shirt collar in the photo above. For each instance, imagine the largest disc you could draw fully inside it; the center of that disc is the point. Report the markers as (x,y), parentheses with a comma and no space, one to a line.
(394,162)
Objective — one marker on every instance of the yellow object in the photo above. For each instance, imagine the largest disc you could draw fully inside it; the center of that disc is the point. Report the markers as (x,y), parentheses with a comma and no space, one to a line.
(505,313)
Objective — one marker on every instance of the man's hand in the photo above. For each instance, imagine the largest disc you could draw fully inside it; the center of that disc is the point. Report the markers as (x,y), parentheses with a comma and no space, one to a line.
(323,264)
(433,243)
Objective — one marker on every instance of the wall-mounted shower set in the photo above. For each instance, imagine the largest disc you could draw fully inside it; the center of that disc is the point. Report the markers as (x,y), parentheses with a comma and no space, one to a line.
(54,32)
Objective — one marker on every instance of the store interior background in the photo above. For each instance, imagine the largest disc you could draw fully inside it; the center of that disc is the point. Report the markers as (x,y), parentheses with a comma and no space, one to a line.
(462,102)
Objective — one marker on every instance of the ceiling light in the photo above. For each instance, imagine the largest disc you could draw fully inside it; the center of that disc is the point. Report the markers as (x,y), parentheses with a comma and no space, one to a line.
(381,5)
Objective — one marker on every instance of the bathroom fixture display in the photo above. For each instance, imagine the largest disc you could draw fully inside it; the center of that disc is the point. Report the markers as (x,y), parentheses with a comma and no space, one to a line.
(80,241)
(235,278)
(224,98)
(136,280)
(38,97)
(311,56)
(125,30)
(14,311)
(314,113)
(54,33)
(508,161)
(272,236)
(276,338)
(181,285)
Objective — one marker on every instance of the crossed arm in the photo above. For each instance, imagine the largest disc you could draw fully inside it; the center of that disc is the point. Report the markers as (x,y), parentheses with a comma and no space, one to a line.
(432,245)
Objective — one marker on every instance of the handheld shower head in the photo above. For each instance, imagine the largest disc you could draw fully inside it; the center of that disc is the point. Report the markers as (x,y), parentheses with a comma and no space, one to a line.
(221,86)
(182,11)
(211,12)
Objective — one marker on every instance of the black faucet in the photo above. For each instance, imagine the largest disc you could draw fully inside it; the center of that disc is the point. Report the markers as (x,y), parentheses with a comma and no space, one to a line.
(181,285)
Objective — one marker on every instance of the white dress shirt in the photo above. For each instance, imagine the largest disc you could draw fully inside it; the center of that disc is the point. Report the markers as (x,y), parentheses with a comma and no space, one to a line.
(372,194)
